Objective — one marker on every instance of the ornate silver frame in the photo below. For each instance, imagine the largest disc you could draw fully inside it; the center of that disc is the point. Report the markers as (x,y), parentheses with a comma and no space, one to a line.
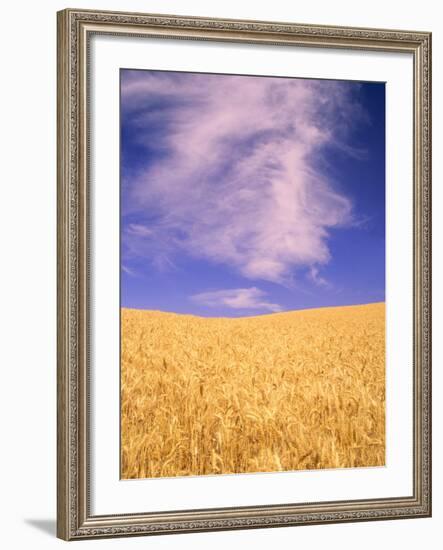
(74,520)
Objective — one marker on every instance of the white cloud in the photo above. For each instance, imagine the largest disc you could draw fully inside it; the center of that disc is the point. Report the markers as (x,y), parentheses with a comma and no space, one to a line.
(139,230)
(316,278)
(237,298)
(128,271)
(239,181)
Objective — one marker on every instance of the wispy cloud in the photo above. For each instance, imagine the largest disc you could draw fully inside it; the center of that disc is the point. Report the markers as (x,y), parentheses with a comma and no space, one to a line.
(237,298)
(128,271)
(139,230)
(232,170)
(316,278)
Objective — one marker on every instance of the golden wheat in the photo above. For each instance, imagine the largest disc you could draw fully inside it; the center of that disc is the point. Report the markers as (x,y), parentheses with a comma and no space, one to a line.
(286,391)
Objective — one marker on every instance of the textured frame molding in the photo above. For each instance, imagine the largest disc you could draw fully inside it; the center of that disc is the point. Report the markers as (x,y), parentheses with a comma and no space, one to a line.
(74,520)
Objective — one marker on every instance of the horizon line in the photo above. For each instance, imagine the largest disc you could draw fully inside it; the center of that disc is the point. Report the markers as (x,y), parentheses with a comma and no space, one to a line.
(254,315)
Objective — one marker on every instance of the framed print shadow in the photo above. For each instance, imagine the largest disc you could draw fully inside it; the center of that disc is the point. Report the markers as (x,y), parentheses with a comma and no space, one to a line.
(244,293)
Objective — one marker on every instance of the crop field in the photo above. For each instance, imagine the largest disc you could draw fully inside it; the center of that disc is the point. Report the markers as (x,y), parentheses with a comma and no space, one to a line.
(284,391)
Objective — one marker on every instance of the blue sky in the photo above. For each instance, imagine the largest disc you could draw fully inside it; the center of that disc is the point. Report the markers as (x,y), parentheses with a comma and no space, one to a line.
(247,195)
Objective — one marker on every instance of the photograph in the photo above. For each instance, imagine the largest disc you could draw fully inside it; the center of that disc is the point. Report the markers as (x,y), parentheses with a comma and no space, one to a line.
(252,274)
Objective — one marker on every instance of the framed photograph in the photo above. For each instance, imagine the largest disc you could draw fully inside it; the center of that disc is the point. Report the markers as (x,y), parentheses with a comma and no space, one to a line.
(244,294)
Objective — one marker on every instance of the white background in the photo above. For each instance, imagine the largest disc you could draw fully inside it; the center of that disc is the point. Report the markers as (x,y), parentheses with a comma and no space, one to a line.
(28,273)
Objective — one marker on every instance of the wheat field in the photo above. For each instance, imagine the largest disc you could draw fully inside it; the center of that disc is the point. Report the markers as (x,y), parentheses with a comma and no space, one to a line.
(284,391)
